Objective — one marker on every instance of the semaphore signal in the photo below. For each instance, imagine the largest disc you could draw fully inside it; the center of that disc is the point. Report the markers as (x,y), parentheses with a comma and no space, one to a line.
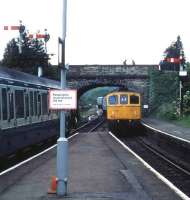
(12,28)
(22,33)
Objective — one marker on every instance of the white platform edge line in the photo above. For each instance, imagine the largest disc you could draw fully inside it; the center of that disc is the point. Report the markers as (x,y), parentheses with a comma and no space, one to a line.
(168,134)
(33,157)
(161,177)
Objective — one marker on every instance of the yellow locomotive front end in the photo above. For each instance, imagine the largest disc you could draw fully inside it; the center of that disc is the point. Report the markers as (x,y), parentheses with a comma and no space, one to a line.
(123,109)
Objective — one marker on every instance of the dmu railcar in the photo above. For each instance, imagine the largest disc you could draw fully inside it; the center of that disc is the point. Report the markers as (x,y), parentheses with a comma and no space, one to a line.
(24,115)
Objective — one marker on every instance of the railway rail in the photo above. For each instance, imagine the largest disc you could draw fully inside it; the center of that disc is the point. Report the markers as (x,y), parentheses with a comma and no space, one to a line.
(32,151)
(176,174)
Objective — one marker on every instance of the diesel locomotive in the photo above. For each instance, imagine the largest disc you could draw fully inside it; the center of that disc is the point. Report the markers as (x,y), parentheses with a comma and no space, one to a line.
(123,110)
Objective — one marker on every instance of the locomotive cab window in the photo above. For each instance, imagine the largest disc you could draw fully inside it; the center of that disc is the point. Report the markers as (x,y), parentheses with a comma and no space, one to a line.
(113,100)
(134,99)
(123,99)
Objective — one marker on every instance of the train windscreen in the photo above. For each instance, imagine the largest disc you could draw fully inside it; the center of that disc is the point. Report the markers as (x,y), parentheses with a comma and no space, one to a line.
(134,99)
(123,99)
(113,100)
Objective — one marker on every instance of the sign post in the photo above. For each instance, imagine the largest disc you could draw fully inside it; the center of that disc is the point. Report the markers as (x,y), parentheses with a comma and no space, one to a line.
(62,142)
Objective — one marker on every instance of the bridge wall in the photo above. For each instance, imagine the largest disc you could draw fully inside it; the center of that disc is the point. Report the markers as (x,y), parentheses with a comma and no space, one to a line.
(133,77)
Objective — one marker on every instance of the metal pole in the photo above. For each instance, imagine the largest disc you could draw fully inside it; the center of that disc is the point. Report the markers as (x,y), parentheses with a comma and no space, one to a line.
(62,142)
(20,38)
(180,97)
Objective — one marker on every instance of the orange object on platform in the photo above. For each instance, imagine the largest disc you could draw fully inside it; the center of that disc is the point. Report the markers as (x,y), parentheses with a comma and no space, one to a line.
(53,188)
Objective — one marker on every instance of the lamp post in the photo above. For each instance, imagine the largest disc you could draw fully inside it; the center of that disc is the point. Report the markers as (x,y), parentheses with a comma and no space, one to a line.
(62,142)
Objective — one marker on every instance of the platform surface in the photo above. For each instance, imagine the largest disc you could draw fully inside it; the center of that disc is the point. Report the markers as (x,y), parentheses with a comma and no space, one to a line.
(100,169)
(168,127)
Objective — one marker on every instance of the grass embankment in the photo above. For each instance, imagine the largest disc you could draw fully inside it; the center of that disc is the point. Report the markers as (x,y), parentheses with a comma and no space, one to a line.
(184,121)
(181,121)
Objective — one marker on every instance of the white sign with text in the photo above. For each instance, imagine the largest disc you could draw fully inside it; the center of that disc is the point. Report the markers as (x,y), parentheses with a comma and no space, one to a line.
(62,99)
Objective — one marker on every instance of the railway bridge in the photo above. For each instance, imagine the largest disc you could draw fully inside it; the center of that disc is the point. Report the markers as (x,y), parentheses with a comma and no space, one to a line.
(132,77)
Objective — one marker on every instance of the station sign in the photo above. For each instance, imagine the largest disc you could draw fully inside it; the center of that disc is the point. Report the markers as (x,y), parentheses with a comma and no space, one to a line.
(62,99)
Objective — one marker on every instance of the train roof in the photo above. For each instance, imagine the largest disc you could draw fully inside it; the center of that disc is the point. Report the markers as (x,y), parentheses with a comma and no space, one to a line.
(122,92)
(10,76)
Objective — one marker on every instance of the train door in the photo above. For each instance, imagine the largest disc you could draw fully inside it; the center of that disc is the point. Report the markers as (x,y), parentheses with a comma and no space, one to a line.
(4,105)
(19,106)
(39,105)
(31,106)
(45,105)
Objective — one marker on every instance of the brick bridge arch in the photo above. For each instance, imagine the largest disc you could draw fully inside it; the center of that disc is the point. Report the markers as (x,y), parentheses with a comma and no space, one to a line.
(132,77)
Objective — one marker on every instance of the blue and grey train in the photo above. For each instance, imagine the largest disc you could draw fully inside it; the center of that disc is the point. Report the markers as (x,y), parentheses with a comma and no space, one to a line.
(24,115)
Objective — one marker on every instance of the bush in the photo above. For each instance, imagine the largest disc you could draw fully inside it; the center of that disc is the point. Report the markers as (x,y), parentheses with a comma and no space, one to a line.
(186,103)
(167,111)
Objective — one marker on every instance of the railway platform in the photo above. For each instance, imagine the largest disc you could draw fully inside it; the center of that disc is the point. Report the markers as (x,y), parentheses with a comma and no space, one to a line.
(99,169)
(169,128)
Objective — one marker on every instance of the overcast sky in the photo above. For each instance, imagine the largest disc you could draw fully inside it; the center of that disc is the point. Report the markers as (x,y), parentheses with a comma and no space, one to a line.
(103,31)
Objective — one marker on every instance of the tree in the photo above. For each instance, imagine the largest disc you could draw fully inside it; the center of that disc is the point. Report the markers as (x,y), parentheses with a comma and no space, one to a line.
(174,56)
(33,53)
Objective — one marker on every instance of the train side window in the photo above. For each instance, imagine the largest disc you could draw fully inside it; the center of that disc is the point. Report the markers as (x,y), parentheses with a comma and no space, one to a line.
(134,99)
(11,105)
(39,103)
(123,99)
(4,103)
(113,99)
(26,97)
(35,102)
(44,104)
(31,103)
(19,103)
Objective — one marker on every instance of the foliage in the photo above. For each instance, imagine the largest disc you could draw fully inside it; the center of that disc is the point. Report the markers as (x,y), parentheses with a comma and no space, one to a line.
(186,103)
(164,95)
(185,121)
(87,102)
(164,87)
(188,68)
(33,54)
(175,50)
(167,111)
(90,96)
(51,72)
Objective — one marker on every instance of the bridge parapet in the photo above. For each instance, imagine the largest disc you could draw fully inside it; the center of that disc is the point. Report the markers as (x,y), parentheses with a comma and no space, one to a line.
(109,70)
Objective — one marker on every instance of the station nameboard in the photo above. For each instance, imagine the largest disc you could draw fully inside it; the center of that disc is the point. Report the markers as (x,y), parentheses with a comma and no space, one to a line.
(62,99)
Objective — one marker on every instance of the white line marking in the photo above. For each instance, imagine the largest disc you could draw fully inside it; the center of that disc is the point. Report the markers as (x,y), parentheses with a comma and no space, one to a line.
(31,158)
(168,134)
(161,177)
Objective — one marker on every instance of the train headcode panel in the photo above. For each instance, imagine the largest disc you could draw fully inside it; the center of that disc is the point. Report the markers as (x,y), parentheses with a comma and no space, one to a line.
(62,99)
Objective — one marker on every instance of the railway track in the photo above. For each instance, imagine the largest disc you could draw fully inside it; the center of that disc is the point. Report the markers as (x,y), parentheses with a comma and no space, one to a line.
(176,174)
(31,151)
